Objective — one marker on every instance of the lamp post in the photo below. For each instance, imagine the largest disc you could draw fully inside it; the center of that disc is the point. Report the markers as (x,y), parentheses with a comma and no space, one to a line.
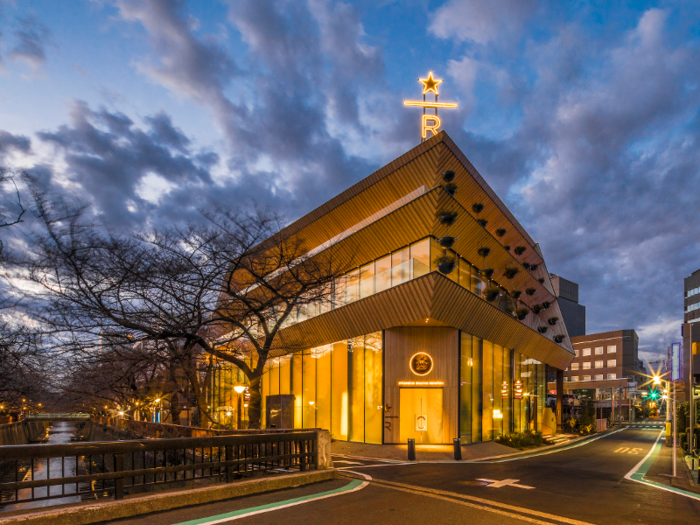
(239,390)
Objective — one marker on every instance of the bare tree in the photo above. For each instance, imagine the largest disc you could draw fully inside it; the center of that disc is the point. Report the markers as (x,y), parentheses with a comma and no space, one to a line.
(17,210)
(22,366)
(216,289)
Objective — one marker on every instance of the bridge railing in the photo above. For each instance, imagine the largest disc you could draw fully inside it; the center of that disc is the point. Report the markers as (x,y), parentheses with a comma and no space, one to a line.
(58,417)
(80,471)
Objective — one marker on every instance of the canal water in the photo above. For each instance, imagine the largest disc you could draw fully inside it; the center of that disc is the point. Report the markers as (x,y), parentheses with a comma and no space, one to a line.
(61,432)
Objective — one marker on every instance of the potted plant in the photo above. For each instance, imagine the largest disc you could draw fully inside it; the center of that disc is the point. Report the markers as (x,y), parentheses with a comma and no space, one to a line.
(448,176)
(519,250)
(521,313)
(483,251)
(500,232)
(487,272)
(559,338)
(446,217)
(491,293)
(510,272)
(450,188)
(542,329)
(445,263)
(447,241)
(530,291)
(552,321)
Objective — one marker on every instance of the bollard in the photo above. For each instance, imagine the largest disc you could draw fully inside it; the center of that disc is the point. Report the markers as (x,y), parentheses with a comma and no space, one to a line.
(458,449)
(411,450)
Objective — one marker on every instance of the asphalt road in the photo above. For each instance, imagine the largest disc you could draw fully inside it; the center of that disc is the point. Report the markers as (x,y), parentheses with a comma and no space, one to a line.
(582,484)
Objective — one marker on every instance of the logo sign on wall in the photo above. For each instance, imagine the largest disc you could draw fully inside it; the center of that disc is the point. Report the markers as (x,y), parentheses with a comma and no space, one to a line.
(421,422)
(421,364)
(518,390)
(504,390)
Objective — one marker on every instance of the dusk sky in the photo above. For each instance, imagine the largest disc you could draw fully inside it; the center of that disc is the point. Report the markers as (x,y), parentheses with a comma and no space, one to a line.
(584,118)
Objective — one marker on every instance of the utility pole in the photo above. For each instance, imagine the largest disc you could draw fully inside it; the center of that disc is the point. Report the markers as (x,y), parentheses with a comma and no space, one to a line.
(674,429)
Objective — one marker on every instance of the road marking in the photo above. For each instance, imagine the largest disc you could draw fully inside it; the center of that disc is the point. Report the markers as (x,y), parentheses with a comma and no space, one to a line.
(504,483)
(480,503)
(348,462)
(639,471)
(353,486)
(621,450)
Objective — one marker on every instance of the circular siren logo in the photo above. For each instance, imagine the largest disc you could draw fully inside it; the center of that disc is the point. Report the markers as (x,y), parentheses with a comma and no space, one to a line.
(421,364)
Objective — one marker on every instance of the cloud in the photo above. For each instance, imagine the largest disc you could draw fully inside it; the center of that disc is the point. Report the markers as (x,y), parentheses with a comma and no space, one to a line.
(10,143)
(31,36)
(481,22)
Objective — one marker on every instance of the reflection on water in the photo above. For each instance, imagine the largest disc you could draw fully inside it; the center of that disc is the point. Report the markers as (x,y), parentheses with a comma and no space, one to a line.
(61,432)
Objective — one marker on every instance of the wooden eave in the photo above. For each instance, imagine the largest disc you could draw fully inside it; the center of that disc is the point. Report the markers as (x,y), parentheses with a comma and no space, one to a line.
(432,297)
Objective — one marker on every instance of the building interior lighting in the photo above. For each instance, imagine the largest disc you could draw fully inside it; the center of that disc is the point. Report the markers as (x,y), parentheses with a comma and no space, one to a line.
(239,389)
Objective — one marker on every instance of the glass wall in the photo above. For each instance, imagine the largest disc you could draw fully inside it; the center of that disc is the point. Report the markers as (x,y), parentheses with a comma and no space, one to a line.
(394,269)
(497,398)
(336,387)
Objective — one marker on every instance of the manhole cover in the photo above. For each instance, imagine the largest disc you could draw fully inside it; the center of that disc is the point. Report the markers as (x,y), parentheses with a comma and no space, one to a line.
(474,483)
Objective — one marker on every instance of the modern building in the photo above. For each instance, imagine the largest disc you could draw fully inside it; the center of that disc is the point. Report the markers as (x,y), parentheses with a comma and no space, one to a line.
(407,350)
(691,311)
(602,362)
(573,313)
(690,331)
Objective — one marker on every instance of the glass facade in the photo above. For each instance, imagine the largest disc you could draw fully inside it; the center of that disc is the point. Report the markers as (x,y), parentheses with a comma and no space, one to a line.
(501,391)
(336,387)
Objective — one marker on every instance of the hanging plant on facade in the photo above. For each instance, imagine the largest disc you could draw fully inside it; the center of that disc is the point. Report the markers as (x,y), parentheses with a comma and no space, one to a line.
(445,263)
(487,272)
(537,309)
(542,329)
(546,304)
(492,293)
(519,250)
(534,267)
(477,208)
(450,188)
(510,272)
(483,252)
(482,222)
(515,294)
(500,232)
(507,248)
(447,241)
(446,217)
(540,280)
(530,291)
(552,321)
(526,266)
(521,313)
(559,338)
(448,176)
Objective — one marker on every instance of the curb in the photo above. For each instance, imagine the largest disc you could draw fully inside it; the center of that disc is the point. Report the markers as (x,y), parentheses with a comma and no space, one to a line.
(103,511)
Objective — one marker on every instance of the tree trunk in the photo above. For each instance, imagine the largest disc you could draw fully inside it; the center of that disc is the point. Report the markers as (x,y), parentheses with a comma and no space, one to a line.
(175,408)
(255,403)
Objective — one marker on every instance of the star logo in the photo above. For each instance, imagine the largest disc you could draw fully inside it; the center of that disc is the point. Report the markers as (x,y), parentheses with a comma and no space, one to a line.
(430,84)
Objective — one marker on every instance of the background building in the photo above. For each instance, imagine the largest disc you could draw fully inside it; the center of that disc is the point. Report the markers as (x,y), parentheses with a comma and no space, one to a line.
(574,314)
(602,362)
(691,312)
(691,330)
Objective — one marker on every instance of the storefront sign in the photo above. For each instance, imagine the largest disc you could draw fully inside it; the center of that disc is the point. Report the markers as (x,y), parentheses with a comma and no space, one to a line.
(420,383)
(421,364)
(504,390)
(518,390)
(429,122)
(421,422)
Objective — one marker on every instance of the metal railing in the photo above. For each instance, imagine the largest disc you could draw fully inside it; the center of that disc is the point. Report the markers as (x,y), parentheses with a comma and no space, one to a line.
(56,417)
(111,469)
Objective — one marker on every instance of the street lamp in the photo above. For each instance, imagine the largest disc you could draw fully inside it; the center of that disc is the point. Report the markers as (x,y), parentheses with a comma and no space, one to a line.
(239,390)
(657,380)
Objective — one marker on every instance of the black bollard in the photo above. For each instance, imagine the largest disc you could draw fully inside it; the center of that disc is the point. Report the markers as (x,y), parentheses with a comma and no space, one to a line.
(458,449)
(411,450)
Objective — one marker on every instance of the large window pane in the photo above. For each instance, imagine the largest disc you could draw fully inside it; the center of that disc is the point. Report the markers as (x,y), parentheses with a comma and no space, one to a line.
(357,394)
(465,388)
(383,277)
(487,419)
(465,277)
(352,293)
(285,371)
(297,390)
(323,387)
(340,402)
(477,392)
(497,388)
(435,251)
(420,253)
(339,298)
(399,267)
(367,280)
(309,390)
(374,420)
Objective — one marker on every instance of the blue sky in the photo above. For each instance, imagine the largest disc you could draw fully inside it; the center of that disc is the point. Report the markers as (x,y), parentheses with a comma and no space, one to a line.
(582,116)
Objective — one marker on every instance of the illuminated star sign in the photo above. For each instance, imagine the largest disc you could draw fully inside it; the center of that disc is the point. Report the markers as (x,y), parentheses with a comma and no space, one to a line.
(429,122)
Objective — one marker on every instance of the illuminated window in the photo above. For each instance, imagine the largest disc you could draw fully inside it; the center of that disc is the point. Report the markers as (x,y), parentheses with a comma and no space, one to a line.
(612,362)
(612,349)
(599,364)
(586,351)
(599,377)
(586,378)
(612,376)
(598,350)
(574,366)
(574,378)
(587,365)
(576,352)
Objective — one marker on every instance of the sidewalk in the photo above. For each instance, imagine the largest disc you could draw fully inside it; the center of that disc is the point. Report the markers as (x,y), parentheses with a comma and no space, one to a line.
(661,471)
(423,452)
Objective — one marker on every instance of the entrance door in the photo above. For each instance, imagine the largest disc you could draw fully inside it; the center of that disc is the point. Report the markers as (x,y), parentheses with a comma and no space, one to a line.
(420,414)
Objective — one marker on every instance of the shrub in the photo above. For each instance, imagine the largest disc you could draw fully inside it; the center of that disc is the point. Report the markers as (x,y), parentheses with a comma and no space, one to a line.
(521,440)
